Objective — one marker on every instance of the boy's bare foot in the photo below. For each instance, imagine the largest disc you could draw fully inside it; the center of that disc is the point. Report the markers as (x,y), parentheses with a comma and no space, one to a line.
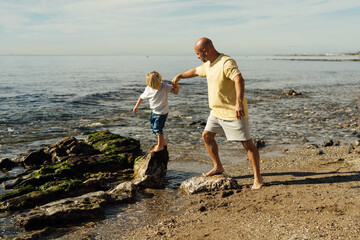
(257,184)
(157,148)
(213,172)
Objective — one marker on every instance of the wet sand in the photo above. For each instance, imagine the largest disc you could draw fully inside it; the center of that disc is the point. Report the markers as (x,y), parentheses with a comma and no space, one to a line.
(307,195)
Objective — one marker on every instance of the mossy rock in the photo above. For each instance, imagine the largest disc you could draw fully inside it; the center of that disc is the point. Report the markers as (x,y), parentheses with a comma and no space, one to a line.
(44,194)
(75,174)
(113,178)
(110,143)
(16,192)
(44,175)
(99,138)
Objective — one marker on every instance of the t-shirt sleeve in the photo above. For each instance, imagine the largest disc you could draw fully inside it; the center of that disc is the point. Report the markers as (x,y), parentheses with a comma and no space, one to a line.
(200,70)
(168,87)
(145,95)
(231,69)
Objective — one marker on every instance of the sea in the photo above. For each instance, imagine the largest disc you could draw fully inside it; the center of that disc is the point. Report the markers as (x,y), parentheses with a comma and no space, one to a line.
(46,98)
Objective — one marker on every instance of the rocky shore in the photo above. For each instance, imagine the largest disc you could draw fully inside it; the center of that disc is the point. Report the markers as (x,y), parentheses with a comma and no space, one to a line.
(71,182)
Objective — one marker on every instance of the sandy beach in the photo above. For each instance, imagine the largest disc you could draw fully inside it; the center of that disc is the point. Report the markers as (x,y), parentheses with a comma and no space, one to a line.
(307,195)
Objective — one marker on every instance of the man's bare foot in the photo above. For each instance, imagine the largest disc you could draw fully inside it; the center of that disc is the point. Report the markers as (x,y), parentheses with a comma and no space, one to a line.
(257,184)
(213,172)
(157,148)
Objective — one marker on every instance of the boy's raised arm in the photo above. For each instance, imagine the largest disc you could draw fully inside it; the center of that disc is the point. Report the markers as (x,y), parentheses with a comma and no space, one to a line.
(175,89)
(139,101)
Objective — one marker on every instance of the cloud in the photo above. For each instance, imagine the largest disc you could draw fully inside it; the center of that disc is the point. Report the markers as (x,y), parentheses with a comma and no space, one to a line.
(138,24)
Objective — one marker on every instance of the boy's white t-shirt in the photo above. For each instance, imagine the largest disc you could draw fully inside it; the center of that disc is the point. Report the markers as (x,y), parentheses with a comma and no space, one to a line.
(158,99)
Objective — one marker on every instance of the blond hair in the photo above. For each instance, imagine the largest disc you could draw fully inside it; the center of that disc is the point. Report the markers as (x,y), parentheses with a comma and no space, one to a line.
(153,79)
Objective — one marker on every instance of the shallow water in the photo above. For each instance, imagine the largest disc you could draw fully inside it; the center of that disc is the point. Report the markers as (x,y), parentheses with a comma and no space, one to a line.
(45,98)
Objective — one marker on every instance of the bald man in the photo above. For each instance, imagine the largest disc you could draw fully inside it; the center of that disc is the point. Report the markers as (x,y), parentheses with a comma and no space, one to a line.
(229,113)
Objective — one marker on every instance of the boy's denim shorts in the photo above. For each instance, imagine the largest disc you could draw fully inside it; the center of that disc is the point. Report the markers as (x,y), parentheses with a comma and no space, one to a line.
(157,122)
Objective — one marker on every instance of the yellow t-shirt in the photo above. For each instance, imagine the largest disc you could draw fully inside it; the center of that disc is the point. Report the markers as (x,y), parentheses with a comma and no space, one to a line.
(220,76)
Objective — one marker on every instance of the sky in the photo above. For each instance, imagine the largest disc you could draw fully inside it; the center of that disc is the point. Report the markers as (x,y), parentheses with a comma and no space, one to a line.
(171,27)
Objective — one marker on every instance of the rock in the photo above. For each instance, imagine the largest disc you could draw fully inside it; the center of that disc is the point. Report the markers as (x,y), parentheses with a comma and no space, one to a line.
(35,159)
(150,170)
(57,152)
(29,195)
(304,140)
(329,143)
(259,143)
(3,179)
(320,152)
(69,146)
(312,146)
(198,123)
(292,93)
(66,211)
(350,148)
(353,146)
(227,194)
(70,181)
(109,143)
(122,193)
(73,176)
(7,164)
(207,184)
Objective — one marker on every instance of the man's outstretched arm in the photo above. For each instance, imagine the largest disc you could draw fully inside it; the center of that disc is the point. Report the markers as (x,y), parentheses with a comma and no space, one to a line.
(187,74)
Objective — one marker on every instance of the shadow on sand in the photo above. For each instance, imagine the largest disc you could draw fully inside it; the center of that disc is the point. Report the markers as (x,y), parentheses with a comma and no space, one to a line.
(310,177)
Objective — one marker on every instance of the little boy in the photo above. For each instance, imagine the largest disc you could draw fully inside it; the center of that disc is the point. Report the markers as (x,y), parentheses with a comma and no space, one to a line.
(157,94)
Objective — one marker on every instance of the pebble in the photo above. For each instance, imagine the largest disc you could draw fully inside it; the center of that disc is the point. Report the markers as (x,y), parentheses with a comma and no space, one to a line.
(227,194)
(329,143)
(320,152)
(304,140)
(312,146)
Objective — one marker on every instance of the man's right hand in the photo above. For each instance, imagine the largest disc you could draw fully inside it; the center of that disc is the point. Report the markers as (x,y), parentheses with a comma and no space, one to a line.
(175,80)
(188,74)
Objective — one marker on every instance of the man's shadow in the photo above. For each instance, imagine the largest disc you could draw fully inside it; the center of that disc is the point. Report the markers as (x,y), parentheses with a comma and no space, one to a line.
(310,177)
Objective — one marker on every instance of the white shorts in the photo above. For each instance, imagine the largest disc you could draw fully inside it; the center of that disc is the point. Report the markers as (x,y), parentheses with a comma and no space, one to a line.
(234,130)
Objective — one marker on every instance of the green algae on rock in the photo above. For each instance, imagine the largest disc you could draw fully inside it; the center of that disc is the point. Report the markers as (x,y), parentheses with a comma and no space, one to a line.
(76,168)
(71,181)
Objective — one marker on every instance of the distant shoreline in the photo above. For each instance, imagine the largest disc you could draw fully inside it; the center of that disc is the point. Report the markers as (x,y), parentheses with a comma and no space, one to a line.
(319,55)
(320,60)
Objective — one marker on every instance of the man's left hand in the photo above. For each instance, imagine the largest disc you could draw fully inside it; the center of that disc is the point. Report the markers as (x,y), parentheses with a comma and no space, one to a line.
(239,109)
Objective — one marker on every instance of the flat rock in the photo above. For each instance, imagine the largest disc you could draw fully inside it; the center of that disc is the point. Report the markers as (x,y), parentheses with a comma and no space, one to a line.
(207,184)
(69,211)
(122,193)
